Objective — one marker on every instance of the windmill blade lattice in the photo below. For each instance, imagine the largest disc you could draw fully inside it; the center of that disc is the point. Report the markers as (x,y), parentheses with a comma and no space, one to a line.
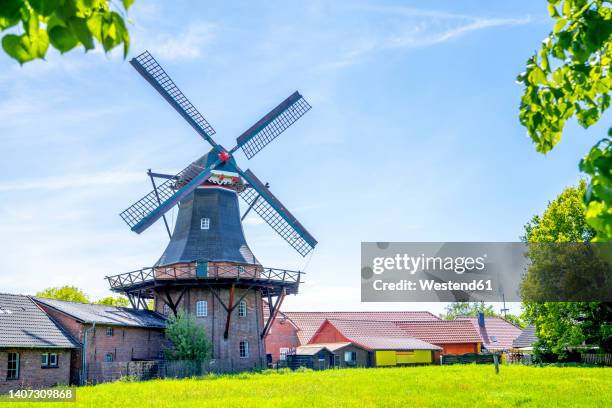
(150,69)
(273,212)
(272,125)
(144,212)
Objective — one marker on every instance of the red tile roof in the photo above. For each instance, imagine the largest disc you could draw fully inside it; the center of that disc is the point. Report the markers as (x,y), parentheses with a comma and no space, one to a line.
(498,334)
(309,322)
(442,331)
(377,335)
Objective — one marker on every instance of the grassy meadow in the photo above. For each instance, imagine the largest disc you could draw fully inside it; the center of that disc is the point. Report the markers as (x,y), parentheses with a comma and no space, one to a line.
(428,386)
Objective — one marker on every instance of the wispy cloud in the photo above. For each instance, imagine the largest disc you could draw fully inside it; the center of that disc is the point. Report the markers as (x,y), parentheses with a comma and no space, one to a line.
(407,27)
(185,45)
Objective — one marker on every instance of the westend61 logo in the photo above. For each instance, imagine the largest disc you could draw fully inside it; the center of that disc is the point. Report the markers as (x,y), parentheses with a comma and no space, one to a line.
(412,264)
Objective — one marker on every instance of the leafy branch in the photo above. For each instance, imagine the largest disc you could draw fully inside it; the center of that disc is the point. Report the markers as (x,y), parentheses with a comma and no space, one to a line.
(63,24)
(570,76)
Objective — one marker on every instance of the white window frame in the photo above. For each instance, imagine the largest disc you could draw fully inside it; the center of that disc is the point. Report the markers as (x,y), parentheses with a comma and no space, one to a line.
(282,353)
(242,308)
(204,223)
(52,357)
(202,308)
(17,368)
(348,357)
(110,332)
(44,360)
(244,349)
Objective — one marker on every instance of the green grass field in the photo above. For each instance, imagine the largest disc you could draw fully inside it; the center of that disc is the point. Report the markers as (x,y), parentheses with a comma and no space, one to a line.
(430,386)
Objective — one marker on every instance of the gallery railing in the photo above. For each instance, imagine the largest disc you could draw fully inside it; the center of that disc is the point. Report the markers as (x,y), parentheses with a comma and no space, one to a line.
(203,271)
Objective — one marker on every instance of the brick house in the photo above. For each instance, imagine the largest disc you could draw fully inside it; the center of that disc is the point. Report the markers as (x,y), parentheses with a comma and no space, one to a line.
(35,352)
(107,334)
(293,329)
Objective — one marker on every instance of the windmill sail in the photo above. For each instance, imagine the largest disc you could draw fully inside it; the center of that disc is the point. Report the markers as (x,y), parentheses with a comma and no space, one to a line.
(273,124)
(276,215)
(144,212)
(150,69)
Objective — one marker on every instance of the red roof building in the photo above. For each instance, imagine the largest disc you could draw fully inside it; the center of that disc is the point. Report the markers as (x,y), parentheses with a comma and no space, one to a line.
(293,329)
(454,336)
(496,334)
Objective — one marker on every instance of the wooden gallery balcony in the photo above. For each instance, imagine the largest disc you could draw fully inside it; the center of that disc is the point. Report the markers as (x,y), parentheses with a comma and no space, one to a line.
(144,280)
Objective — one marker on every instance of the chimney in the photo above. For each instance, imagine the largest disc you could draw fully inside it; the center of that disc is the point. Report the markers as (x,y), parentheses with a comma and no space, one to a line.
(481,319)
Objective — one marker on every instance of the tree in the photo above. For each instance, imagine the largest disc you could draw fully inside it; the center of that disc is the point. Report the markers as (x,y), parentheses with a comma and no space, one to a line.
(570,76)
(518,321)
(71,293)
(65,24)
(119,301)
(189,340)
(561,326)
(470,309)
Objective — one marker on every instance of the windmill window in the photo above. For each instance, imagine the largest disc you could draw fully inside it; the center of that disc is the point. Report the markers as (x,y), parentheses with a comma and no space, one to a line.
(244,349)
(242,308)
(12,372)
(201,308)
(204,223)
(108,358)
(166,311)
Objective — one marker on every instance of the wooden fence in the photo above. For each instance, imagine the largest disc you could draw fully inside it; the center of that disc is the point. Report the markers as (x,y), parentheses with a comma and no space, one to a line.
(597,359)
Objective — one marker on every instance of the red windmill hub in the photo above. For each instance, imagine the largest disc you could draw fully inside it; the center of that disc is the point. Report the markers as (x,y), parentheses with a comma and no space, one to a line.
(224,156)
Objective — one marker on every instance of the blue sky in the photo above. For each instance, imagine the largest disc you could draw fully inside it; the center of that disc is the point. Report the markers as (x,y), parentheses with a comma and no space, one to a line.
(413,135)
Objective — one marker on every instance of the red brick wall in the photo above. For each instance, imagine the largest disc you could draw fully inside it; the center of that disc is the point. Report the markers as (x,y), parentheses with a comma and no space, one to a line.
(31,375)
(126,343)
(328,334)
(282,334)
(459,348)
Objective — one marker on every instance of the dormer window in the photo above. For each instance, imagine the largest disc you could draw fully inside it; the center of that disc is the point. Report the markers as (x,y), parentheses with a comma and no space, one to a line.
(204,223)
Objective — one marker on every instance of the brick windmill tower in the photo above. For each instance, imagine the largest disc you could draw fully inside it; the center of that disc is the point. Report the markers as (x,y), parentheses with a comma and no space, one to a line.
(208,268)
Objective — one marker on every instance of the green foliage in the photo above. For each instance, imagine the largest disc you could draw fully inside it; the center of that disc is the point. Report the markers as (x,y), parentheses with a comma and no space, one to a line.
(518,321)
(67,292)
(189,339)
(570,76)
(63,24)
(120,301)
(471,309)
(563,220)
(427,386)
(562,325)
(598,197)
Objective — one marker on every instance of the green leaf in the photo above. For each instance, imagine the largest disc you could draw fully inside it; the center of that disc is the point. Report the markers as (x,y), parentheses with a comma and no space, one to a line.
(9,13)
(14,46)
(45,7)
(127,3)
(559,25)
(62,38)
(81,32)
(537,76)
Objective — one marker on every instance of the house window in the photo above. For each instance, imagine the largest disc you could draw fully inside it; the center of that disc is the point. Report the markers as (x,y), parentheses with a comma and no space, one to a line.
(48,360)
(166,310)
(12,371)
(108,358)
(350,357)
(204,223)
(244,349)
(494,339)
(201,308)
(242,308)
(283,351)
(109,331)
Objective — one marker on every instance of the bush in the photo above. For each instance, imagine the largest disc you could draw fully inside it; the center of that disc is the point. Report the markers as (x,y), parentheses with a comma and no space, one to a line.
(189,340)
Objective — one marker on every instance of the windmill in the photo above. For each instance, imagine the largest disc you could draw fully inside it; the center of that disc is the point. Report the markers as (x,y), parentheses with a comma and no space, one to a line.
(220,166)
(207,268)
